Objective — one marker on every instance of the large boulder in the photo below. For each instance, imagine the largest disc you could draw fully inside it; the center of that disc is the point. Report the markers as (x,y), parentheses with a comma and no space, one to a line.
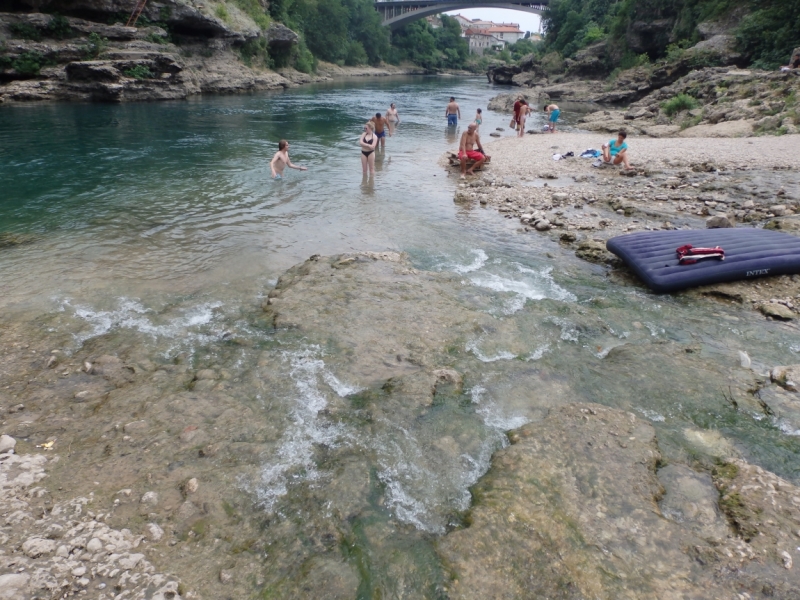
(280,36)
(502,74)
(589,63)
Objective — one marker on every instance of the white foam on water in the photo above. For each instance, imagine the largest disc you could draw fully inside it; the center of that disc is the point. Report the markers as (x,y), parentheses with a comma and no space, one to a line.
(492,414)
(569,333)
(655,330)
(786,428)
(795,348)
(651,414)
(480,260)
(342,389)
(533,285)
(131,314)
(294,460)
(472,346)
(538,353)
(422,486)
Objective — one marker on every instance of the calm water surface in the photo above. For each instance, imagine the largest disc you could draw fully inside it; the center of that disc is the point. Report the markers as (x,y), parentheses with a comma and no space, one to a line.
(160,223)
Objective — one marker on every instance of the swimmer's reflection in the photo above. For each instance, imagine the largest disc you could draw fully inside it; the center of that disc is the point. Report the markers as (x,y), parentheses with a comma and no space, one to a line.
(367,185)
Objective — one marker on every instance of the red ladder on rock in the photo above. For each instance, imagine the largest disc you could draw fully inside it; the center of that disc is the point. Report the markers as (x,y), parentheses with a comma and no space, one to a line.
(136,13)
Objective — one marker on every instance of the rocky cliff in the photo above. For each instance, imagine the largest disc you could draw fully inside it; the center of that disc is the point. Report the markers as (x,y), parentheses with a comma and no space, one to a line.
(82,50)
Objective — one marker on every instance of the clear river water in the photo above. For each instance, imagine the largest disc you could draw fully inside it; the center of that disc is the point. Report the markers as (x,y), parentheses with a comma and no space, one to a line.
(158,225)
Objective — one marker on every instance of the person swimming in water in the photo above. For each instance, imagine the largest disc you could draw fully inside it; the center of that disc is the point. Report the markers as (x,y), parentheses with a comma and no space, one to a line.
(392,117)
(368,142)
(281,160)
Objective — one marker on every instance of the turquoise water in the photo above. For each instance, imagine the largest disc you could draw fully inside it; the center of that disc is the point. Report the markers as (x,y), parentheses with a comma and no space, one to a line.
(158,225)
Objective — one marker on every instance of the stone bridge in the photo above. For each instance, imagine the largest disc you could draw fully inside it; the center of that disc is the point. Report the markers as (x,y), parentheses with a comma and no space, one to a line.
(396,13)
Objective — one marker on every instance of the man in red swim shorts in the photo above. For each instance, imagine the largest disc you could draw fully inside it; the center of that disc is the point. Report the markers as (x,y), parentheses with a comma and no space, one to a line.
(470,139)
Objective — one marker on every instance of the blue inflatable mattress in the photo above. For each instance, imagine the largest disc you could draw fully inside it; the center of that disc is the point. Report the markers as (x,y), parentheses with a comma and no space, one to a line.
(748,253)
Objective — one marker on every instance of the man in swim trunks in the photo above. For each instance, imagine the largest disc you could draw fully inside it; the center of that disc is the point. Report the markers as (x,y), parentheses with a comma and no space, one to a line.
(470,139)
(281,160)
(452,112)
(554,113)
(381,125)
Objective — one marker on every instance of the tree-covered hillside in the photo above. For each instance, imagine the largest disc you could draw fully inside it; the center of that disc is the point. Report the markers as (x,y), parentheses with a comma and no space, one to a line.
(766,30)
(349,32)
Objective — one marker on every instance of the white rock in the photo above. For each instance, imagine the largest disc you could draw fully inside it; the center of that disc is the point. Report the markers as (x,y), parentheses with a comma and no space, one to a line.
(7,444)
(154,532)
(787,559)
(62,551)
(150,498)
(36,547)
(191,486)
(12,583)
(78,571)
(94,545)
(129,561)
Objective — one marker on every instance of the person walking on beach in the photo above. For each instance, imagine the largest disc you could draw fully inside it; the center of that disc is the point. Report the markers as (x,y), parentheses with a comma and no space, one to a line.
(524,111)
(554,114)
(469,140)
(368,142)
(517,106)
(392,117)
(281,160)
(478,119)
(452,112)
(381,125)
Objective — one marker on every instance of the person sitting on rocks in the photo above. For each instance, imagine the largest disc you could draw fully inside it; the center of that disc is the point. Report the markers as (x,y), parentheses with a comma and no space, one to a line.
(615,152)
(470,139)
(793,64)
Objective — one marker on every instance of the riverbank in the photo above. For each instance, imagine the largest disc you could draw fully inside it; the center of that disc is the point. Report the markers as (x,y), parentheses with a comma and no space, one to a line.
(675,183)
(67,59)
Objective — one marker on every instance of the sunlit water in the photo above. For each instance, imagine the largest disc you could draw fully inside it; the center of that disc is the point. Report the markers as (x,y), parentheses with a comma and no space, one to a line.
(160,222)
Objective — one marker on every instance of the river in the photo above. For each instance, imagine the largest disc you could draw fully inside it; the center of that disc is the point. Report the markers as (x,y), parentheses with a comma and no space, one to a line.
(155,230)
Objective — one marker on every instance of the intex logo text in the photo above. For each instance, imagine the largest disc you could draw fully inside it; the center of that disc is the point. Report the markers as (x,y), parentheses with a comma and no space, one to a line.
(758,272)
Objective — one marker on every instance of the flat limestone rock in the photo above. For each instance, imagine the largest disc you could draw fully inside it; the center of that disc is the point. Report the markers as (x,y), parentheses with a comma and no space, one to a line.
(571,510)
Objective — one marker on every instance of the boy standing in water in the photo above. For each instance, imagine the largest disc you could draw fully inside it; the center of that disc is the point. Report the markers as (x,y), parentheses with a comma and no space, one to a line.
(281,160)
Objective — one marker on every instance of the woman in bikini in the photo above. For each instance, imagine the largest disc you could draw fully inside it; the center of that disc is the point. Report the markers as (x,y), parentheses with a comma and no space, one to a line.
(393,117)
(368,142)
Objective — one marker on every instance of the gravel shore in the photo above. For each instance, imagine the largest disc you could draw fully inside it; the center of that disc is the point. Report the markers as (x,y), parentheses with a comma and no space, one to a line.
(528,156)
(676,183)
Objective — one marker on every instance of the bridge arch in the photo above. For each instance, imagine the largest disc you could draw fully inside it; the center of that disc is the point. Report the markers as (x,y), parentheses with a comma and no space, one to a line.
(397,13)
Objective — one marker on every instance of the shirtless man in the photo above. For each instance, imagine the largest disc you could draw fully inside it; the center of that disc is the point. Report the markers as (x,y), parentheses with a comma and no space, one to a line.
(470,139)
(452,112)
(281,160)
(381,125)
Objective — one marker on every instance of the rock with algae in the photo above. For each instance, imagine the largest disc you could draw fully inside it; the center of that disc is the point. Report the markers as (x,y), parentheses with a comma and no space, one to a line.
(571,510)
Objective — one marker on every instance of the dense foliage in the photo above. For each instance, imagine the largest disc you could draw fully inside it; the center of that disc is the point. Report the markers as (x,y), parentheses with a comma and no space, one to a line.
(767,34)
(431,48)
(349,32)
(339,31)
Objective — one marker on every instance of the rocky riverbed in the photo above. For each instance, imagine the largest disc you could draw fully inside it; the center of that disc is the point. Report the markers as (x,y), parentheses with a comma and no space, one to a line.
(124,474)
